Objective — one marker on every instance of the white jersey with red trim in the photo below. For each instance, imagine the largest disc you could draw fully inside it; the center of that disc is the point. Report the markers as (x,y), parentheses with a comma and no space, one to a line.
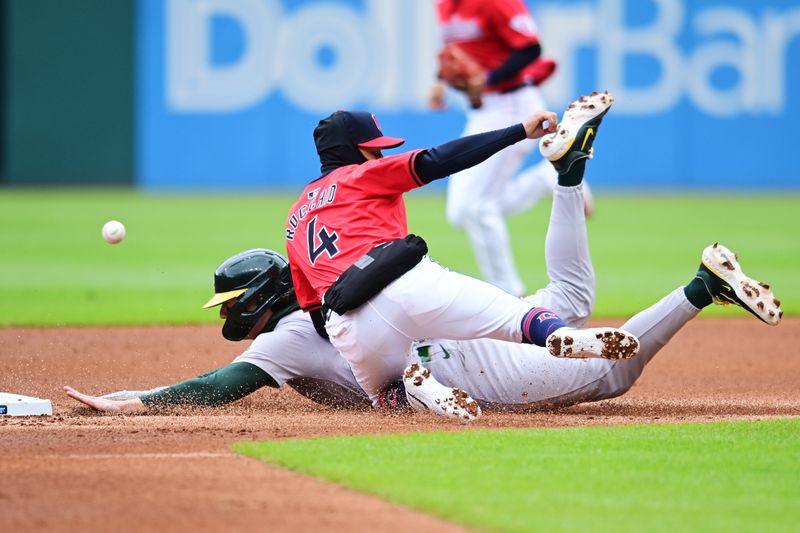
(342,216)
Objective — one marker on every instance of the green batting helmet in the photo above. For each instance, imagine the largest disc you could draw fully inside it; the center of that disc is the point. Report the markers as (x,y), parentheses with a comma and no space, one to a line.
(260,280)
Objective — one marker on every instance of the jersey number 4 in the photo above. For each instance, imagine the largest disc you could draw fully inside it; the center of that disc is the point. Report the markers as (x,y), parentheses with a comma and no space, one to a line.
(327,241)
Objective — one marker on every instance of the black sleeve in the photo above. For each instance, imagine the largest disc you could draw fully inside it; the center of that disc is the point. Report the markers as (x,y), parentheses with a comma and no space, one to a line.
(518,60)
(455,156)
(218,387)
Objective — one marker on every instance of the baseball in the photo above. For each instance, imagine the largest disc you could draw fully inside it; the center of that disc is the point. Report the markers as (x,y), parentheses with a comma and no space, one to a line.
(113,231)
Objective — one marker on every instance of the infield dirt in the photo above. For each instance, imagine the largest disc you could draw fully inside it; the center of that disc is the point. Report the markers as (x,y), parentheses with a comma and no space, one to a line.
(79,470)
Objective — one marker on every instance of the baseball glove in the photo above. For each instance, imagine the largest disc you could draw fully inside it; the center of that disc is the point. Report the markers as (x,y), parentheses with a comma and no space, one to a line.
(460,71)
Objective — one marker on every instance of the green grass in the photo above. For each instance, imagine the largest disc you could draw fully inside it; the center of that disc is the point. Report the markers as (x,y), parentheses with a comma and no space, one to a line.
(55,268)
(740,476)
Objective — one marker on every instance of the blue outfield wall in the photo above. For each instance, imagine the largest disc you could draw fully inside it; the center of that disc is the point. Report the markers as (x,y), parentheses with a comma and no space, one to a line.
(229,92)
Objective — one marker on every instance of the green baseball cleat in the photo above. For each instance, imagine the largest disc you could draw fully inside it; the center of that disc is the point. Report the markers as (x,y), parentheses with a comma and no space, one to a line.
(576,131)
(727,284)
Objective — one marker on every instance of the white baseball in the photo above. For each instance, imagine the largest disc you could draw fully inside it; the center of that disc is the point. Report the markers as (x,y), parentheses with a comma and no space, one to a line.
(113,231)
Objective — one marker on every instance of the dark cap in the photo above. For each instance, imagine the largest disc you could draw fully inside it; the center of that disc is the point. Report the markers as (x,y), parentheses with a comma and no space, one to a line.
(359,127)
(364,131)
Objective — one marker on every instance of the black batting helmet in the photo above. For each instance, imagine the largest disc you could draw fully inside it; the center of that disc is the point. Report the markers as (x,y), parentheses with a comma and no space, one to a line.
(260,280)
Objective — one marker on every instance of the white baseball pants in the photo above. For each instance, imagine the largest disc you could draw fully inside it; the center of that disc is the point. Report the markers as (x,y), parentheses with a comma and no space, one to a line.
(525,377)
(521,377)
(430,301)
(427,301)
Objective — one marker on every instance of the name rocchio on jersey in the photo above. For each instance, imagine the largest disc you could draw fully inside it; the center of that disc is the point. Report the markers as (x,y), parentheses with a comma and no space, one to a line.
(316,198)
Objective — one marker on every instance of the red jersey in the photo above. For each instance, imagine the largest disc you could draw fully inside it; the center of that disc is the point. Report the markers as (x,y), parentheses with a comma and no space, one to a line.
(489,31)
(342,216)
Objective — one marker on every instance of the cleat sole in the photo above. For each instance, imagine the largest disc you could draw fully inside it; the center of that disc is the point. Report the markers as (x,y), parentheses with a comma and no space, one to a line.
(753,296)
(605,343)
(587,108)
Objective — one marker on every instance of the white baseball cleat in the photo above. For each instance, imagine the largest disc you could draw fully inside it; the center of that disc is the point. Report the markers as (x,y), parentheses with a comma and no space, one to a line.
(576,131)
(603,343)
(424,393)
(727,284)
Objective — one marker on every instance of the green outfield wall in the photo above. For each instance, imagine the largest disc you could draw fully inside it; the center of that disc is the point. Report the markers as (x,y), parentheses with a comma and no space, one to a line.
(68,84)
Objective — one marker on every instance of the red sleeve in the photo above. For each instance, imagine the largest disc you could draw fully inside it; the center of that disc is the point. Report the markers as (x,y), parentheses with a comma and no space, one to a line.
(390,175)
(306,295)
(513,23)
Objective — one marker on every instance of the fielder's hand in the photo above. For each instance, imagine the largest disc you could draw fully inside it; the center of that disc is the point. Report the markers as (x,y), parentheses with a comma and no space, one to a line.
(540,123)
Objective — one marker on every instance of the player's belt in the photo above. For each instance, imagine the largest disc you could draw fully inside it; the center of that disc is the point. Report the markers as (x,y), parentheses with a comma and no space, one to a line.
(372,272)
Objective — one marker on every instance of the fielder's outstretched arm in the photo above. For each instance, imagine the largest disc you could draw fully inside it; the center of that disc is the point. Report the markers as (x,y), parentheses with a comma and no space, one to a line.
(460,154)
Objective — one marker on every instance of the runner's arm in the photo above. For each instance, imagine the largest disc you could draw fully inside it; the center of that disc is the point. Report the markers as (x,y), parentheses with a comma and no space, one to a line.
(218,387)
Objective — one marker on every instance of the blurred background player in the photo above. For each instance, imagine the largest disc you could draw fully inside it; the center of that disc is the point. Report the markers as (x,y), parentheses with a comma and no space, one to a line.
(493,54)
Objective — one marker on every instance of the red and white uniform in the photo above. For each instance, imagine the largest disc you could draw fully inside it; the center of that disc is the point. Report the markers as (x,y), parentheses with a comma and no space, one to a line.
(490,31)
(500,375)
(342,216)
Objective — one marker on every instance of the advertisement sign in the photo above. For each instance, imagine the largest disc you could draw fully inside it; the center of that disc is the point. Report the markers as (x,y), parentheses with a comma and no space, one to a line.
(230,91)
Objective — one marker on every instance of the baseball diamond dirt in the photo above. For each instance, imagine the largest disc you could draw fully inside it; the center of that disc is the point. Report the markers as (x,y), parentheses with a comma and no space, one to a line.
(80,470)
